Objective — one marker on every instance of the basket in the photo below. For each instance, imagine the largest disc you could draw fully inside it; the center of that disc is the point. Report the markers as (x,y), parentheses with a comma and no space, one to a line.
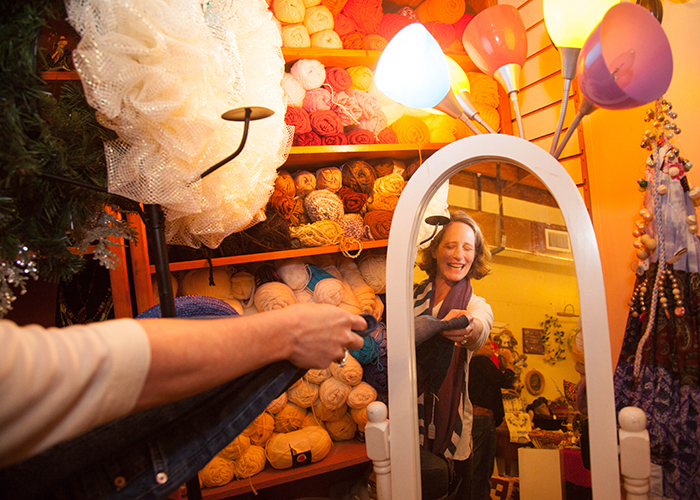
(548,440)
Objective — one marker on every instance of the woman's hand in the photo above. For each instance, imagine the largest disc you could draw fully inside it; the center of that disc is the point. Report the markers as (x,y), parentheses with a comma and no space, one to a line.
(465,337)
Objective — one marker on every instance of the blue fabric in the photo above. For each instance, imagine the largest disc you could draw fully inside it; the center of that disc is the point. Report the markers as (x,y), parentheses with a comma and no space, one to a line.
(483,456)
(154,451)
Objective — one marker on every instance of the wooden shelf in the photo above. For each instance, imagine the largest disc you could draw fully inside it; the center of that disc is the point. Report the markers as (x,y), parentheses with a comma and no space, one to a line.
(300,157)
(349,58)
(342,454)
(52,76)
(267,256)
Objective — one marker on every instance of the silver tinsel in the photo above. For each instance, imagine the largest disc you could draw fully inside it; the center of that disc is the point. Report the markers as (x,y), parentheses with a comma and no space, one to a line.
(15,274)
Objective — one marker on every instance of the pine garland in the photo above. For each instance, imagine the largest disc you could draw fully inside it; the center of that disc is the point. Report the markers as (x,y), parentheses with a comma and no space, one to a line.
(39,134)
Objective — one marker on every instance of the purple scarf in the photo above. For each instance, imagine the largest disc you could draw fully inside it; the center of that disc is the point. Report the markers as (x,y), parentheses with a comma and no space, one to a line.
(446,404)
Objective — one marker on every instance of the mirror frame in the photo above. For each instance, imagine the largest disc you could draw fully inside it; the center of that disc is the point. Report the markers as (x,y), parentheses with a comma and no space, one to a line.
(401,256)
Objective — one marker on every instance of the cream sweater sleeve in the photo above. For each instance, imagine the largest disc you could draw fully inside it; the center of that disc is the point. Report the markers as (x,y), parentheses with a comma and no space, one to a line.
(58,383)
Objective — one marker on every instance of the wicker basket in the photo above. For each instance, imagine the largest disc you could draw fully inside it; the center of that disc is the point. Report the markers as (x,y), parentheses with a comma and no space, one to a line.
(549,440)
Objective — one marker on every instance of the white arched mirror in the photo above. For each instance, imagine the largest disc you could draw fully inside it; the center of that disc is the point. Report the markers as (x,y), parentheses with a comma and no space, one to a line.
(401,257)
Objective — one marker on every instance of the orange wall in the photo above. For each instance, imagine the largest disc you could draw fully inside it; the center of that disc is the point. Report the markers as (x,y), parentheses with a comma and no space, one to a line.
(615,161)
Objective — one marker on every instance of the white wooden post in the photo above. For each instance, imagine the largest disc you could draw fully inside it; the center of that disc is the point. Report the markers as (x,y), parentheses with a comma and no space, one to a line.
(635,454)
(377,440)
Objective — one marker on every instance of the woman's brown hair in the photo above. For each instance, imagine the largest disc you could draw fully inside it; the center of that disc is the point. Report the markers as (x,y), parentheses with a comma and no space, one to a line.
(482,256)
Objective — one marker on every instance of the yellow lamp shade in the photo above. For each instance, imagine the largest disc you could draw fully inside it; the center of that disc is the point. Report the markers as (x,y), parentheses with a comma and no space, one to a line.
(458,78)
(569,22)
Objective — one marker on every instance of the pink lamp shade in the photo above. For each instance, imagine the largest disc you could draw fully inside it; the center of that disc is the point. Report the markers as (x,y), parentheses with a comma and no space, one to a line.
(496,37)
(626,61)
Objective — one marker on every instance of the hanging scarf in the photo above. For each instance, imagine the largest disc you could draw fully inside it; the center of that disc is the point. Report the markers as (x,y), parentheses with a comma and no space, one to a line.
(441,367)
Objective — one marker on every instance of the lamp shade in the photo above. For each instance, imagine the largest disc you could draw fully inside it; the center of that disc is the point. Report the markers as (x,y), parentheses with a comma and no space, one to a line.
(458,78)
(412,69)
(626,61)
(496,37)
(569,22)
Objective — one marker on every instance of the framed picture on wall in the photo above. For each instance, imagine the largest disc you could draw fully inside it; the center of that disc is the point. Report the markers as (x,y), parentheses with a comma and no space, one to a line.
(532,341)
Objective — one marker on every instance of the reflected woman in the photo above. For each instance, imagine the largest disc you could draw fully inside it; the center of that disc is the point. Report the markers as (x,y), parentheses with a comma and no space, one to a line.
(456,255)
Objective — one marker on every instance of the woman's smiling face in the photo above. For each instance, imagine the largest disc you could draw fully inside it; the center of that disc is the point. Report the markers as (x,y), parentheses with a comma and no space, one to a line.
(456,252)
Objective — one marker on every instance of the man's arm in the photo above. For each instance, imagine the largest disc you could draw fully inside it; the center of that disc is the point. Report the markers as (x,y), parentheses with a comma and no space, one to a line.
(190,356)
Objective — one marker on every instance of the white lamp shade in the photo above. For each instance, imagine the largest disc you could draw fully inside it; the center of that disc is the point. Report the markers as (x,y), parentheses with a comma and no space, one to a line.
(412,69)
(569,22)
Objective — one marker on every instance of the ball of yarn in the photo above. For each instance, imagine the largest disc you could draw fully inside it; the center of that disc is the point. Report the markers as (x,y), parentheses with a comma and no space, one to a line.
(298,216)
(335,6)
(347,108)
(329,178)
(483,89)
(353,225)
(334,140)
(317,99)
(317,234)
(407,9)
(387,136)
(235,448)
(367,353)
(304,181)
(213,283)
(242,285)
(375,375)
(333,393)
(375,42)
(329,291)
(293,272)
(294,91)
(304,296)
(289,418)
(391,24)
(369,103)
(326,122)
(295,35)
(303,393)
(310,420)
(280,203)
(363,292)
(298,118)
(289,11)
(367,14)
(323,205)
(350,374)
(326,39)
(285,183)
(374,125)
(361,395)
(353,41)
(411,130)
(273,295)
(389,184)
(373,270)
(361,76)
(382,201)
(218,472)
(343,429)
(277,404)
(490,116)
(338,78)
(317,274)
(311,3)
(318,18)
(284,449)
(353,202)
(252,462)
(359,176)
(360,417)
(442,11)
(308,139)
(361,136)
(443,33)
(379,223)
(461,25)
(326,414)
(310,73)
(317,376)
(343,25)
(262,428)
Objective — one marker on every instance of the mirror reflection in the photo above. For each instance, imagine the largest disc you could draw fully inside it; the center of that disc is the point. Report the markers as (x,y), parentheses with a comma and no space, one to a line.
(513,379)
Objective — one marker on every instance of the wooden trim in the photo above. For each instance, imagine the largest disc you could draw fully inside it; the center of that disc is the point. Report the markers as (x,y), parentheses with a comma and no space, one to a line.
(119,277)
(140,266)
(267,256)
(343,454)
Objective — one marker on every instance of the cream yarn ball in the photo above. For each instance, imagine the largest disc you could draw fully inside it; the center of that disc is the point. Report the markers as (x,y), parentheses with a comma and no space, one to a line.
(324,205)
(305,182)
(289,11)
(252,462)
(317,19)
(326,39)
(273,295)
(294,272)
(295,35)
(196,282)
(373,270)
(294,91)
(353,225)
(310,73)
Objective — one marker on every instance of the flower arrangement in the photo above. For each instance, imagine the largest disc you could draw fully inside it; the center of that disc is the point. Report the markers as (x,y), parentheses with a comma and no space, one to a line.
(554,339)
